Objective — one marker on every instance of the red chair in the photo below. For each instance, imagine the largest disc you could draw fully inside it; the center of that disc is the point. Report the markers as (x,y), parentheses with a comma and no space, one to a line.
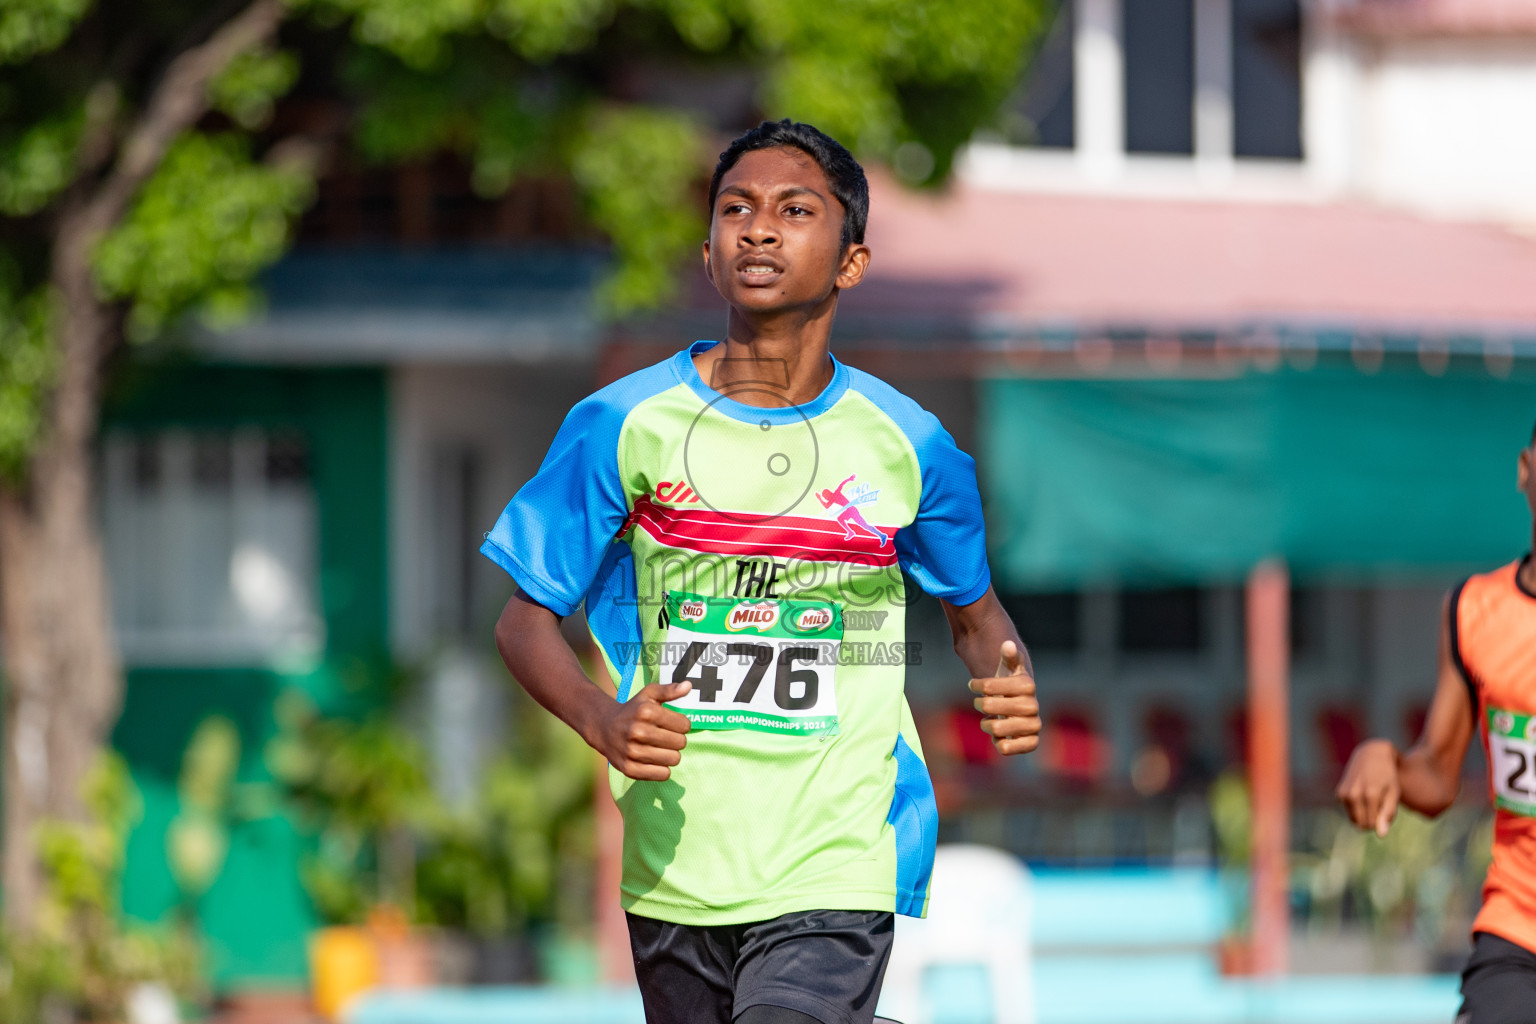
(1340,728)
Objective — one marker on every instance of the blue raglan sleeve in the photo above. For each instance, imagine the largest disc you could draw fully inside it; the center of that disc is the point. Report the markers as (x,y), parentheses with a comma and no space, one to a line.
(945,547)
(552,535)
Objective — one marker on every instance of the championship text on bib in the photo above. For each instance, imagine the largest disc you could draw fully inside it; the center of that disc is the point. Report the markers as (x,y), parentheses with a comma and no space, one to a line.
(768,665)
(1512,749)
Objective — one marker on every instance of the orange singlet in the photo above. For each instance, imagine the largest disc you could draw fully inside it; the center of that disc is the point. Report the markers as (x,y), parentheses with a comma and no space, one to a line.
(1493,641)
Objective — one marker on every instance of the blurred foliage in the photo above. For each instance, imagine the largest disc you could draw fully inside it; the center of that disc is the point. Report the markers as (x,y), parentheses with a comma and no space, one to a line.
(901,82)
(522,852)
(82,961)
(519,853)
(362,788)
(197,840)
(200,230)
(26,366)
(1232,819)
(1421,882)
(30,27)
(617,96)
(248,90)
(635,168)
(37,164)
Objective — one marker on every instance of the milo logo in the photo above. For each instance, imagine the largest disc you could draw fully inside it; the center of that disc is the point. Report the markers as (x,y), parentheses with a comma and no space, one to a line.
(691,611)
(1503,723)
(759,616)
(813,620)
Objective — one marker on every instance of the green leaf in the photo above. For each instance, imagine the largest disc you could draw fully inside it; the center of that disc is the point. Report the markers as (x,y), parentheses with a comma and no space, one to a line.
(28,360)
(514,139)
(203,226)
(36,165)
(635,168)
(541,30)
(843,95)
(703,24)
(31,27)
(250,86)
(414,31)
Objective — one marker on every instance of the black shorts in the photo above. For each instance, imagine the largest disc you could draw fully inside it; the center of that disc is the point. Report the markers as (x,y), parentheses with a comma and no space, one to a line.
(1499,983)
(828,964)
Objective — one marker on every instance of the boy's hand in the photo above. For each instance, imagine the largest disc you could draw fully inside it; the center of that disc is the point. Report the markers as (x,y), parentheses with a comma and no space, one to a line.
(642,737)
(1008,701)
(1369,789)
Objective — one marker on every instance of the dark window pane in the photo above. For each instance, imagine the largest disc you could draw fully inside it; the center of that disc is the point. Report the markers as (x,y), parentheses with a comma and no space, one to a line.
(1306,639)
(287,459)
(146,463)
(1159,38)
(1161,620)
(1266,78)
(1046,622)
(1044,113)
(211,461)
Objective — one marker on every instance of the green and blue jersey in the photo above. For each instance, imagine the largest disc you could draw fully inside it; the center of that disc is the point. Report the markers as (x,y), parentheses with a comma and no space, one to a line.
(758,552)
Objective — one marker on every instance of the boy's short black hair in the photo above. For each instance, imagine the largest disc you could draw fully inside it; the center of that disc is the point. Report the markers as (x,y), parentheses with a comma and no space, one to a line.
(843,172)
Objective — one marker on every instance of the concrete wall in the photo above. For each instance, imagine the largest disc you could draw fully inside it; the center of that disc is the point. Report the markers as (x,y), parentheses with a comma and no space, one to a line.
(1449,126)
(462,433)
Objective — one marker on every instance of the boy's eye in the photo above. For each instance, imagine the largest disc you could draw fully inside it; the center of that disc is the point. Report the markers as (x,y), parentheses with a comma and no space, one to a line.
(797,211)
(734,208)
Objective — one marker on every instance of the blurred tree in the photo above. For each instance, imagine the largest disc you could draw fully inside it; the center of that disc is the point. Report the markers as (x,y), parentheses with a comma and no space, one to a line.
(143,176)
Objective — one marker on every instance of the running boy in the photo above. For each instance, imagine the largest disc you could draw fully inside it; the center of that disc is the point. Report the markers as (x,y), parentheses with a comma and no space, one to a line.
(776,806)
(1487,682)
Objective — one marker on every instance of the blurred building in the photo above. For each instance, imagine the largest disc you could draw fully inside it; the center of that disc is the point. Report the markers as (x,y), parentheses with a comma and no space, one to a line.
(1233,280)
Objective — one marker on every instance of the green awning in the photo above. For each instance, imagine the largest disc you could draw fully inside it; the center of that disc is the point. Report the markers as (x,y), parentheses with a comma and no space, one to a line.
(1343,474)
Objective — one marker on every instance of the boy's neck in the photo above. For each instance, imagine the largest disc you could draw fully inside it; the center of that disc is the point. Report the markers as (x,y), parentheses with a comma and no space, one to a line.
(772,362)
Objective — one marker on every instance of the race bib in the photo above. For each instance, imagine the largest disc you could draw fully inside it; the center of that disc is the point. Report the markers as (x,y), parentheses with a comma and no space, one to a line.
(765,664)
(1512,756)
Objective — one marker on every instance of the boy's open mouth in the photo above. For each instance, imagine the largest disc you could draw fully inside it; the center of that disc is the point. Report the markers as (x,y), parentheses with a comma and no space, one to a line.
(758,270)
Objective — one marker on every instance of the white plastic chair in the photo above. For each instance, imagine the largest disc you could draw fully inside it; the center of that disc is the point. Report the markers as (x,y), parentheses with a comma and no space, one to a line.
(979,911)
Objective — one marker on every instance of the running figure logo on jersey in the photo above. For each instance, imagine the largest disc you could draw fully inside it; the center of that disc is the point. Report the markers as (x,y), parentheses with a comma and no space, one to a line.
(850,518)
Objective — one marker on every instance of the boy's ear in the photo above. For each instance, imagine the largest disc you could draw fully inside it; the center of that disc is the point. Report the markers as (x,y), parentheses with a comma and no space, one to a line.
(855,264)
(709,272)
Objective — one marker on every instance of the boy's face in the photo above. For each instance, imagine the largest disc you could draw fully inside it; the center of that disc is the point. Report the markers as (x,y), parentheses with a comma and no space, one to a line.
(775,235)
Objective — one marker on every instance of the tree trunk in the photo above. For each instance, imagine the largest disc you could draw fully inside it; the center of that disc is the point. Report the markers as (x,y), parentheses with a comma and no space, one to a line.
(63,681)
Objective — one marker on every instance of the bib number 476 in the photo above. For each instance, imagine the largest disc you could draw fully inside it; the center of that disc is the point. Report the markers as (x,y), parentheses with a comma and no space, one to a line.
(757,657)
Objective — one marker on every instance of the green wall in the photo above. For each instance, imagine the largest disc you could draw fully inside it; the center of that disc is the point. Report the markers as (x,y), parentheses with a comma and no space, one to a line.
(1345,475)
(256,915)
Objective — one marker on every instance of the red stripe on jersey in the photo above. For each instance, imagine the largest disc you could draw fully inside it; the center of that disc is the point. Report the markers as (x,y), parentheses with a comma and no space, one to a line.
(705,530)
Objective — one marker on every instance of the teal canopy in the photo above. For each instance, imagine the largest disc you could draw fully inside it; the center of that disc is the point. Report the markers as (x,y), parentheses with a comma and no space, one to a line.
(1342,474)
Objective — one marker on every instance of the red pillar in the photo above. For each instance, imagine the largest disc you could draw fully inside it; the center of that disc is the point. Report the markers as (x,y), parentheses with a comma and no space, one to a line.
(1269,770)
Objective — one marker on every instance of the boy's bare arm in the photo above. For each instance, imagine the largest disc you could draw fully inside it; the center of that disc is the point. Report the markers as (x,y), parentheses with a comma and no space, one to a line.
(984,636)
(1427,775)
(642,737)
